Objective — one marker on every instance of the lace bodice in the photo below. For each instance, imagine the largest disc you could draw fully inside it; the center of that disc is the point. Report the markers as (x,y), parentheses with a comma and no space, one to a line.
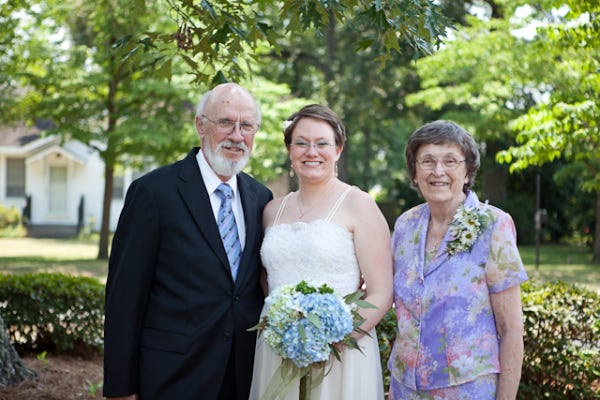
(318,252)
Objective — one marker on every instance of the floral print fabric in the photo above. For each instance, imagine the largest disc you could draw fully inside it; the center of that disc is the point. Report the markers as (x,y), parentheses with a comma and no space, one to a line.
(482,388)
(446,329)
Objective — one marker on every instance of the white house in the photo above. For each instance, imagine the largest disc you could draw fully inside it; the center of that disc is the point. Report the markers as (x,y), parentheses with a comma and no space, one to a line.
(58,186)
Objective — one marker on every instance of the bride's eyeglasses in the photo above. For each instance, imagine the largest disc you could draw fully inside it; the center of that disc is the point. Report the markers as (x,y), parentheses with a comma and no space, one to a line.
(320,145)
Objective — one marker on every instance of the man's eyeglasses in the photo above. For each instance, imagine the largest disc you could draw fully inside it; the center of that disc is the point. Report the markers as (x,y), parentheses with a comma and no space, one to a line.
(302,145)
(228,126)
(448,163)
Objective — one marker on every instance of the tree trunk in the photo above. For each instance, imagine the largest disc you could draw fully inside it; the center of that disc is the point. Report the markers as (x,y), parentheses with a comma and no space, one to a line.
(12,370)
(596,258)
(105,224)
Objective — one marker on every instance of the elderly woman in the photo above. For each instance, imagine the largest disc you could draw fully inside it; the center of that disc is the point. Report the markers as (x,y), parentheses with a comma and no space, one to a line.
(457,276)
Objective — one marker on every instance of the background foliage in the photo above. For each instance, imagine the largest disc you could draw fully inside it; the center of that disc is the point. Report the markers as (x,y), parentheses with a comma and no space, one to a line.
(123,77)
(62,313)
(11,222)
(562,355)
(53,312)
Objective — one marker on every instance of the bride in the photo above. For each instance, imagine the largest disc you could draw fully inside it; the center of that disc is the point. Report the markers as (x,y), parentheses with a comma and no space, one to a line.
(327,232)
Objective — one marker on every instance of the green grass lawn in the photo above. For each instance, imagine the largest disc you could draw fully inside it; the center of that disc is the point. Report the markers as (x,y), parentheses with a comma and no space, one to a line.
(557,262)
(562,263)
(58,255)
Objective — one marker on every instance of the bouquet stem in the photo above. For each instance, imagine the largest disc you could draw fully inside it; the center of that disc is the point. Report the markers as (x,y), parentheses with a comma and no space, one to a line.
(304,387)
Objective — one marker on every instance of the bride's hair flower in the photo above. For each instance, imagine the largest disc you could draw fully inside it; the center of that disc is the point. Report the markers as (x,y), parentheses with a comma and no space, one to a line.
(287,123)
(466,226)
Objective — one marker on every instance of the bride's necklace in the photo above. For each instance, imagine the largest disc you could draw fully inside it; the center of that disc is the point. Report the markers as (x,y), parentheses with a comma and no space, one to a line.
(300,207)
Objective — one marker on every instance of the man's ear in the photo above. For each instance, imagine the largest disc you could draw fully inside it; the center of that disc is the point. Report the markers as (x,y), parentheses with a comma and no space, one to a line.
(200,127)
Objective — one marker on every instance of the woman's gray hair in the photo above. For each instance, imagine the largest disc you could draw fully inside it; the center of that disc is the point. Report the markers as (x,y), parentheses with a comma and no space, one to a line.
(443,132)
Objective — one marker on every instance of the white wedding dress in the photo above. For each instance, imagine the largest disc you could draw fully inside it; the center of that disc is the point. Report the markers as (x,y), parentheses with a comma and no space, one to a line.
(318,252)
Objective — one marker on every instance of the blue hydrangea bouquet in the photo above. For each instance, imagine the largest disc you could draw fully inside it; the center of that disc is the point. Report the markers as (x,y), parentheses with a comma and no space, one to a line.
(303,324)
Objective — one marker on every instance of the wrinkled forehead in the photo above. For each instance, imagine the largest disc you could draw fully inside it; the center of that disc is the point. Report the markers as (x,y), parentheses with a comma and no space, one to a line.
(440,149)
(231,102)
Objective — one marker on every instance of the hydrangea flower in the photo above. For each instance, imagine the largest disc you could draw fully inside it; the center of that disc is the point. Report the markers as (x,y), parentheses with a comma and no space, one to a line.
(303,322)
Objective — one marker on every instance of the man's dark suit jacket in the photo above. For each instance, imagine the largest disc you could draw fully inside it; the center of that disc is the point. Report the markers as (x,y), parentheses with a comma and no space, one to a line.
(173,312)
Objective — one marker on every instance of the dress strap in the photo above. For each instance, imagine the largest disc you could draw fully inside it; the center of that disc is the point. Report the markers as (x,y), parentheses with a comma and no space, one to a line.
(281,208)
(338,203)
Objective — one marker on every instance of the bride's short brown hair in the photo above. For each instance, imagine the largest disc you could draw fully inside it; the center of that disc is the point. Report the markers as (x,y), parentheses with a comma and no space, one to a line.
(316,111)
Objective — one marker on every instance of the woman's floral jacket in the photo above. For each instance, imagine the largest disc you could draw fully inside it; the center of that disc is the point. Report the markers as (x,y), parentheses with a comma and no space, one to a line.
(446,330)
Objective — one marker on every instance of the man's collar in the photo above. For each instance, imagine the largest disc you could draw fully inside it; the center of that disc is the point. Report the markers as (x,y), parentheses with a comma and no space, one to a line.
(211,180)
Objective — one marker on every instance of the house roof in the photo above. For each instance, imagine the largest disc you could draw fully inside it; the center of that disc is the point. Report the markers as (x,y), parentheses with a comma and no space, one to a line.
(59,152)
(28,142)
(18,135)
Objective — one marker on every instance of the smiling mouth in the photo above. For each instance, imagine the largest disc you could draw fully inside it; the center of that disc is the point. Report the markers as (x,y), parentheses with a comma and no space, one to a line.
(232,148)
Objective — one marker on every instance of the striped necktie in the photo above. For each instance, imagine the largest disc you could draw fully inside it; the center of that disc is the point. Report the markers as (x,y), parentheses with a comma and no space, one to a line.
(228,228)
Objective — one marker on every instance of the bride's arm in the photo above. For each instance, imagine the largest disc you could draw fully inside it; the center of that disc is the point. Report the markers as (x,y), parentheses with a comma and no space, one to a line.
(268,216)
(373,250)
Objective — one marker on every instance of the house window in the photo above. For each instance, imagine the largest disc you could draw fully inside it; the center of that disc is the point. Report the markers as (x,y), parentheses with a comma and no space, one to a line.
(118,187)
(15,177)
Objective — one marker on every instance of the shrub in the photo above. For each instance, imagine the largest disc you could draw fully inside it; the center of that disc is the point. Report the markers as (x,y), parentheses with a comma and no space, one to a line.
(10,222)
(9,217)
(386,334)
(53,312)
(562,354)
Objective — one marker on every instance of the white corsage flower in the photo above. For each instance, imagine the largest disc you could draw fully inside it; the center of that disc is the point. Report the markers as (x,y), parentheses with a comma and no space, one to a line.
(466,225)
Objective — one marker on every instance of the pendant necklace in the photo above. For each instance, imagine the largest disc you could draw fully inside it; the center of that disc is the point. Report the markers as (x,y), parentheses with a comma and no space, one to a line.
(437,240)
(302,213)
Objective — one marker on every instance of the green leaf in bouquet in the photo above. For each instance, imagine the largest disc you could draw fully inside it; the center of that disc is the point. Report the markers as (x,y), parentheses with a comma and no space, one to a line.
(302,332)
(354,297)
(352,343)
(262,324)
(314,319)
(364,304)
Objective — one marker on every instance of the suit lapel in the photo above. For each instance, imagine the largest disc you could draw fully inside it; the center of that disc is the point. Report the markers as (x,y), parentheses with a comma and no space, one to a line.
(195,196)
(249,204)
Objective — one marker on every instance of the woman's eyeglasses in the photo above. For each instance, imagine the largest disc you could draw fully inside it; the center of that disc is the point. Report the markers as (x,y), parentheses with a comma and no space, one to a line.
(448,163)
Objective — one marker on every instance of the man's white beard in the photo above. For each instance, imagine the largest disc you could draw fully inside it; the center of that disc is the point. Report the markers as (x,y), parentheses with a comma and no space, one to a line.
(222,165)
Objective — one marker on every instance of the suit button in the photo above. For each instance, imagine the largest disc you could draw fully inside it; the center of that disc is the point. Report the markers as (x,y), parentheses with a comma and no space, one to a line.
(226,336)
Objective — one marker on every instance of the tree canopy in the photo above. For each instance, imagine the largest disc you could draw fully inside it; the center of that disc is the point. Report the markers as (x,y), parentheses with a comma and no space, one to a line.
(111,73)
(221,38)
(524,79)
(123,77)
(565,122)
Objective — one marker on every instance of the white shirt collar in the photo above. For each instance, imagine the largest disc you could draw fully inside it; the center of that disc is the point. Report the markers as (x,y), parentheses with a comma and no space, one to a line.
(211,180)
